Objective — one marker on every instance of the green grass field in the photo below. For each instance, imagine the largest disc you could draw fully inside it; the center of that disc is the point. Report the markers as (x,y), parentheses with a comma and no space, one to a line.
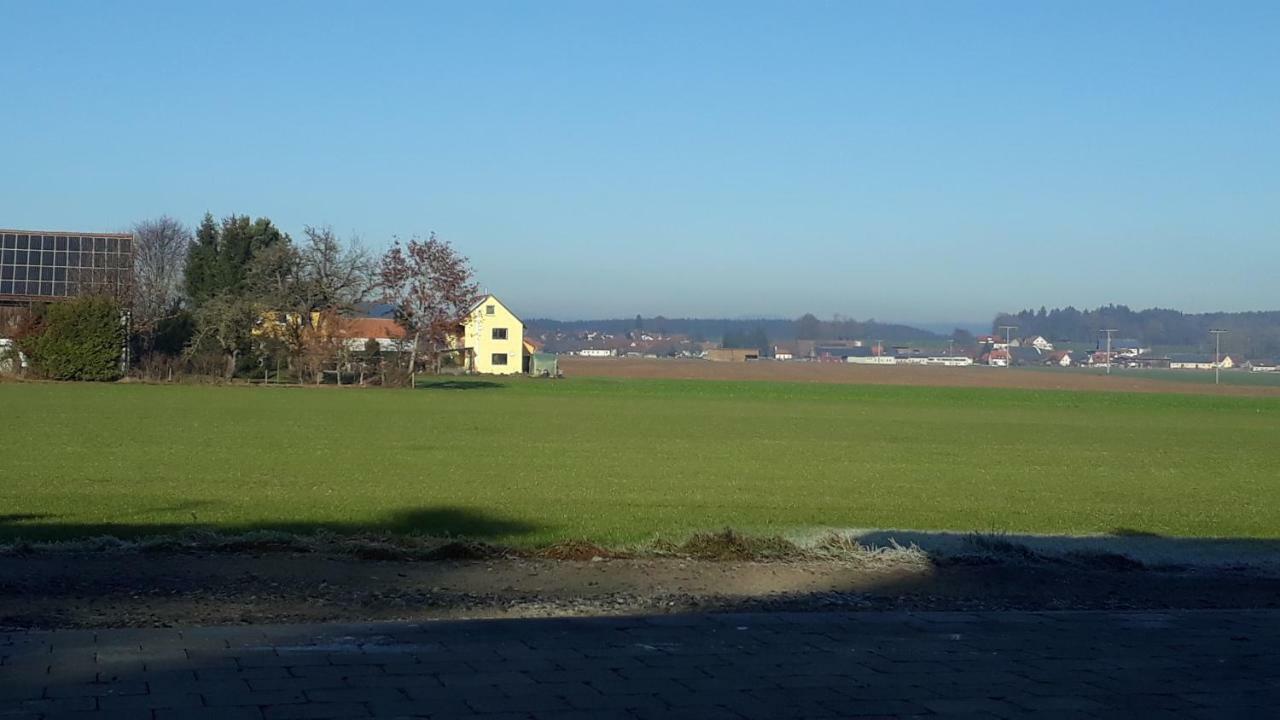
(615,461)
(1195,377)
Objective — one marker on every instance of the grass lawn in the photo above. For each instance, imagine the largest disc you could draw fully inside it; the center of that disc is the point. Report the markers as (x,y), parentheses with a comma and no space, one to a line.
(528,462)
(1198,377)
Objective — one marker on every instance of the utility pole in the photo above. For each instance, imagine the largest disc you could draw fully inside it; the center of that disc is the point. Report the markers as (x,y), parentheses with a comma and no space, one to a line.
(1008,353)
(1217,353)
(1109,332)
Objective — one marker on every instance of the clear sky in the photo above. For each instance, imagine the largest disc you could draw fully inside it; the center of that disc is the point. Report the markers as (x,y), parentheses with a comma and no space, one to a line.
(911,161)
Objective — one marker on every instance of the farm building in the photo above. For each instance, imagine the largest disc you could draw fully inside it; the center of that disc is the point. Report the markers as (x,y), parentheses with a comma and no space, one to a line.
(1200,362)
(39,266)
(848,352)
(598,352)
(491,339)
(1027,355)
(1153,362)
(732,354)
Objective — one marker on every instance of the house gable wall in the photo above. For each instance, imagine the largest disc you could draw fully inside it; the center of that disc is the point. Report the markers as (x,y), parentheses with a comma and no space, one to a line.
(478,338)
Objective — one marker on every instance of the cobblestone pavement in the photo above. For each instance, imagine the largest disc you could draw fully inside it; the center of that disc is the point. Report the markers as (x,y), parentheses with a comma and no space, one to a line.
(1185,664)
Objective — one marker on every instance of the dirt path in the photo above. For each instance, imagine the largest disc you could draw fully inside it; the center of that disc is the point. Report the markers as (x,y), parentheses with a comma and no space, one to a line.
(122,590)
(894,375)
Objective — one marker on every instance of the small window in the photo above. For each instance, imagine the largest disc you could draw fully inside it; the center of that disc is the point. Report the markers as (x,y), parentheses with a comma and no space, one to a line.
(499,333)
(499,358)
(488,309)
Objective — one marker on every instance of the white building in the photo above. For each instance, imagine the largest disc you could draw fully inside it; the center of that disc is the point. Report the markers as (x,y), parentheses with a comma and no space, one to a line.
(597,352)
(1038,342)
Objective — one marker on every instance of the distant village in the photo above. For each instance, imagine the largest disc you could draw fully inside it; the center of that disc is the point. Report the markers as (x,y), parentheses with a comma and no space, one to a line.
(989,350)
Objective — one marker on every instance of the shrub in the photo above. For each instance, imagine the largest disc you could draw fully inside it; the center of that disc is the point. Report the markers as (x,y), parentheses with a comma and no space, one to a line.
(79,339)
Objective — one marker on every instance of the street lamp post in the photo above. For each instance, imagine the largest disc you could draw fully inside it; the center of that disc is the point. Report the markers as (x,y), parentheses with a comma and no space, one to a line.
(1217,353)
(1008,353)
(1109,332)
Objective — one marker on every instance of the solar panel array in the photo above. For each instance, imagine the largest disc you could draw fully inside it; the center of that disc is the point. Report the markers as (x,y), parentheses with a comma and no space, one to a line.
(37,266)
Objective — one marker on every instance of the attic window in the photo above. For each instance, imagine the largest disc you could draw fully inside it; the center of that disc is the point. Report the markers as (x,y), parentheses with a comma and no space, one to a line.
(488,309)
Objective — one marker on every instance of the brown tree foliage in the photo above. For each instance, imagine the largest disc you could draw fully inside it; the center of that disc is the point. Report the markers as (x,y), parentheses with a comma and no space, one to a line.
(432,287)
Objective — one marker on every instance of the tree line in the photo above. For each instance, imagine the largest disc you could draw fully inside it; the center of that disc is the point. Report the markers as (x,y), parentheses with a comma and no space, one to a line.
(1256,334)
(241,297)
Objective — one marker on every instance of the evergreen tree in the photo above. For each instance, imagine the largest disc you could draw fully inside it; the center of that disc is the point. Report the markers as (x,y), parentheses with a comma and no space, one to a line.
(219,258)
(199,282)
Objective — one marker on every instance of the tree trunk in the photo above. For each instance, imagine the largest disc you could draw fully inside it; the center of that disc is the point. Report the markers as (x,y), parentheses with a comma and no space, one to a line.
(231,364)
(413,361)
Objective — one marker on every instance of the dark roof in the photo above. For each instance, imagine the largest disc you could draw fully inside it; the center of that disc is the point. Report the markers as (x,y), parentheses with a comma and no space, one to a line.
(376,310)
(1194,357)
(843,352)
(1025,354)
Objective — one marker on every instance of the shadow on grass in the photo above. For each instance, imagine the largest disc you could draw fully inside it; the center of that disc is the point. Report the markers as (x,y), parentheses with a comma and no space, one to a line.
(460,385)
(443,522)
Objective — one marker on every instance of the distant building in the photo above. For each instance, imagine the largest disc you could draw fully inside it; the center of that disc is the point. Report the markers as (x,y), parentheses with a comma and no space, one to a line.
(732,354)
(1035,341)
(491,339)
(40,266)
(357,332)
(1061,358)
(996,343)
(1200,362)
(598,352)
(785,351)
(1026,355)
(1129,347)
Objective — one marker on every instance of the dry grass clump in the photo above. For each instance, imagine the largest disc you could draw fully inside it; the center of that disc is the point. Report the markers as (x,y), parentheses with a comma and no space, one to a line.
(579,550)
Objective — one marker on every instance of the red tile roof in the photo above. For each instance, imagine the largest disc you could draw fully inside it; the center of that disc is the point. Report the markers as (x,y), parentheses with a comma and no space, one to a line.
(371,328)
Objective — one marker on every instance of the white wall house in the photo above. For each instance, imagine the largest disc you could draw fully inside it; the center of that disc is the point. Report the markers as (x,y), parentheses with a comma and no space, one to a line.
(596,352)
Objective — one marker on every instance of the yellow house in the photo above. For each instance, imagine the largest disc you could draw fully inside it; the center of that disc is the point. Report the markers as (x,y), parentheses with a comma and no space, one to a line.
(492,339)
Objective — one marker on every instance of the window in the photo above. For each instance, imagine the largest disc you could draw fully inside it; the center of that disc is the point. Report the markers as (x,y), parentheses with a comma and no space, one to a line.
(499,333)
(499,359)
(488,309)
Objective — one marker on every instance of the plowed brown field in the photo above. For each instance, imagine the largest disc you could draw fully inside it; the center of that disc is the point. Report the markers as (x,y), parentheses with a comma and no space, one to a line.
(975,376)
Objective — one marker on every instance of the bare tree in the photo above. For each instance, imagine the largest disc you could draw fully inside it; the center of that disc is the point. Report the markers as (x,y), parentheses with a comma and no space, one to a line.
(159,255)
(432,287)
(337,276)
(301,286)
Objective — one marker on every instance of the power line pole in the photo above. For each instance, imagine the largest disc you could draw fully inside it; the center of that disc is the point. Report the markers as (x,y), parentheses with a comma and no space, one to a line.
(1109,332)
(1008,352)
(1217,353)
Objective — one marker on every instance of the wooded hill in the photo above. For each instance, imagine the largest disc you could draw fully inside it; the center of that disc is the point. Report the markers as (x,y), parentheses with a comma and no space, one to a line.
(1255,334)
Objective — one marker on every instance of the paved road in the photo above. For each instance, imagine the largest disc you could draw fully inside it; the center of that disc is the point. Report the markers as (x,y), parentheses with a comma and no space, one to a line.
(1210,664)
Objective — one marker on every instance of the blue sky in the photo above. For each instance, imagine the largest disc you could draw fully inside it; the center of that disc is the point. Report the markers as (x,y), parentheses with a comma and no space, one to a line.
(912,161)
